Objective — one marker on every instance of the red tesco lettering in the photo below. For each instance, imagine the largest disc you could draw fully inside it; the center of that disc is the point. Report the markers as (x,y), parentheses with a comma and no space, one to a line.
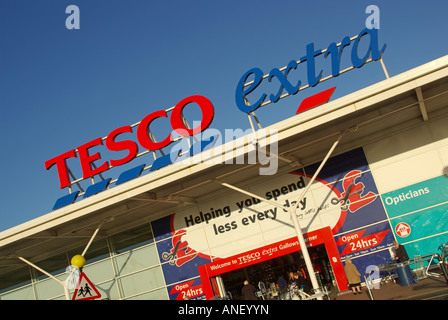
(87,159)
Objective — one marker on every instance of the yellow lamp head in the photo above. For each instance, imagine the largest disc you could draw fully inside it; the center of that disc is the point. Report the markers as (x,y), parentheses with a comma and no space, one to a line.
(78,261)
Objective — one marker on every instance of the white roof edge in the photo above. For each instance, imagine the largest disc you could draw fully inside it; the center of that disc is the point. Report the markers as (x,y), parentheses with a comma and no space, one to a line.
(158,178)
(368,93)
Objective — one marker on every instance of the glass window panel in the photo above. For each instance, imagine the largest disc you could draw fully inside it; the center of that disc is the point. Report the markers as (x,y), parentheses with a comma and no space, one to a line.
(54,265)
(48,288)
(108,290)
(142,281)
(135,260)
(132,238)
(25,293)
(98,250)
(61,297)
(99,271)
(15,279)
(160,294)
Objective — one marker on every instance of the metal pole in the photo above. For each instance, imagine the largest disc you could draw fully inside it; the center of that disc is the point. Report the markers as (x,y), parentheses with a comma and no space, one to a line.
(384,68)
(368,288)
(293,211)
(442,266)
(319,169)
(93,237)
(62,283)
(297,228)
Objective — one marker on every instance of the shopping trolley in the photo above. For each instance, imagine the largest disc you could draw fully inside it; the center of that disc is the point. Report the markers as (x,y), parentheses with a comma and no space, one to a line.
(388,268)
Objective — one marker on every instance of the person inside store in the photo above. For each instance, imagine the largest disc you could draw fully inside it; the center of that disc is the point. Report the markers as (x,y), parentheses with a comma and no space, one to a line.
(400,252)
(249,291)
(302,282)
(281,285)
(290,277)
(353,276)
(293,287)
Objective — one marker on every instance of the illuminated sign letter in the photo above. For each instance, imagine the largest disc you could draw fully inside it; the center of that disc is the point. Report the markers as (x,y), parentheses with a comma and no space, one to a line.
(283,78)
(241,93)
(311,66)
(373,48)
(207,115)
(86,159)
(61,165)
(143,130)
(336,55)
(129,145)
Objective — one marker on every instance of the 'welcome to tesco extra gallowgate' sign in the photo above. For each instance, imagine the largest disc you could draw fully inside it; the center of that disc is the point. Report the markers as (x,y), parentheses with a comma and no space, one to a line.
(91,163)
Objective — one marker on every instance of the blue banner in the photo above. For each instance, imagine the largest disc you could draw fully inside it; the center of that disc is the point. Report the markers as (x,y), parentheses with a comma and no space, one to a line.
(416,197)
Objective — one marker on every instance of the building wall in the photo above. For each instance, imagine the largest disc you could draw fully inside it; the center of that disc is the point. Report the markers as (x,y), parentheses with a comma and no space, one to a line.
(413,159)
(410,169)
(123,266)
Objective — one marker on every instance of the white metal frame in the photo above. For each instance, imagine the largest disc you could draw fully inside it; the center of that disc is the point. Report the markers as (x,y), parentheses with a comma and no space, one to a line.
(293,213)
(265,103)
(64,283)
(76,181)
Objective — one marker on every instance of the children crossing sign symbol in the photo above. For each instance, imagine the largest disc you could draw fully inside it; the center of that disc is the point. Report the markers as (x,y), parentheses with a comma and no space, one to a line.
(85,290)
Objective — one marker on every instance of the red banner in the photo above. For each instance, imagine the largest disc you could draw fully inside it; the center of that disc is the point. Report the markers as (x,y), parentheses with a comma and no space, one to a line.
(187,290)
(274,250)
(356,242)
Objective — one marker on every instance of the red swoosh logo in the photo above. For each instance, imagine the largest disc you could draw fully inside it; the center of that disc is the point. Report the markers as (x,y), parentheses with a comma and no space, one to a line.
(315,100)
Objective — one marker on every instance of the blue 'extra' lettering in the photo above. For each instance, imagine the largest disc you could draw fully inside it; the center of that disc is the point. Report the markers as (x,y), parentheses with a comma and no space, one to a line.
(333,50)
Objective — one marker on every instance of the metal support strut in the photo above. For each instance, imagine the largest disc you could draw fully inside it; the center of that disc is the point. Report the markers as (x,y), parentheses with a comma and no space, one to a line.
(64,283)
(293,214)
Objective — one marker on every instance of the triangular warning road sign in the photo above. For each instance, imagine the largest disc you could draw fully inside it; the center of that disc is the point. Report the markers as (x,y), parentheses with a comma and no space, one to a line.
(85,290)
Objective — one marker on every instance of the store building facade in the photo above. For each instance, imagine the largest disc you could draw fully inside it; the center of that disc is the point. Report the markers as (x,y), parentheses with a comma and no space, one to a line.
(182,232)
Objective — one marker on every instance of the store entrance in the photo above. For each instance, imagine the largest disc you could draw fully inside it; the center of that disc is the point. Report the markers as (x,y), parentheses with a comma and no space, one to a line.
(268,272)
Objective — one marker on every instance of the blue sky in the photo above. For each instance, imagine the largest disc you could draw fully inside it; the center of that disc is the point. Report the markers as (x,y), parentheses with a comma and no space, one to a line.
(61,88)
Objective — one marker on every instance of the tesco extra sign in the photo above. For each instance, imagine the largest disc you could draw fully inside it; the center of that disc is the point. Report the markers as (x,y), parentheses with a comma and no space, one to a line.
(247,87)
(243,90)
(86,159)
